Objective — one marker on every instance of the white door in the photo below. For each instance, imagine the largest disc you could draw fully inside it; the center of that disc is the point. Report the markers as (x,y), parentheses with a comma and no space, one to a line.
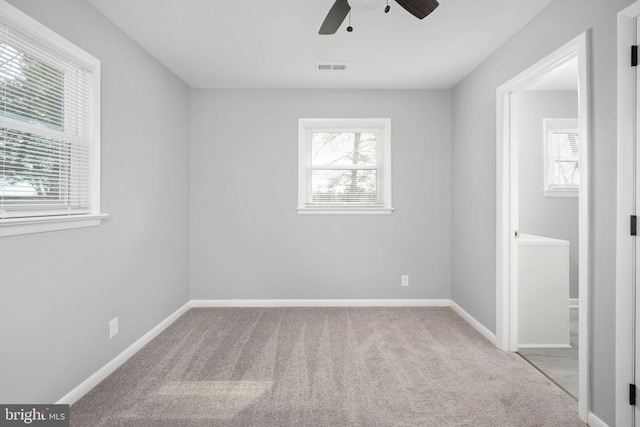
(636,294)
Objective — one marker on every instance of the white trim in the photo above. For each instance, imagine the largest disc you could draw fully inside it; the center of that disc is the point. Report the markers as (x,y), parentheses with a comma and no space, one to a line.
(35,29)
(544,345)
(96,135)
(574,302)
(626,130)
(584,226)
(88,384)
(32,28)
(549,127)
(18,226)
(345,211)
(594,421)
(304,185)
(473,322)
(322,303)
(507,203)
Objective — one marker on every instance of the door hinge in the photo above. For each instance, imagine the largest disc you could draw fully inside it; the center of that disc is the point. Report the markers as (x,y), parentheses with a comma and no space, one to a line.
(632,394)
(634,55)
(633,225)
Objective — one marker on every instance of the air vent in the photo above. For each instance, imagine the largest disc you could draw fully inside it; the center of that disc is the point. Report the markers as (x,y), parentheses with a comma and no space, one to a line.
(323,66)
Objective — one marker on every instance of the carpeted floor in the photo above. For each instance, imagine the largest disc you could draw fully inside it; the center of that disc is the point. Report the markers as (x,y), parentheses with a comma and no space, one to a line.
(324,367)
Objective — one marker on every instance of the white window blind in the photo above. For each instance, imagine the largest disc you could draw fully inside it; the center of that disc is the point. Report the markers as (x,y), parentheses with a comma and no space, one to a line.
(566,159)
(562,153)
(344,165)
(45,128)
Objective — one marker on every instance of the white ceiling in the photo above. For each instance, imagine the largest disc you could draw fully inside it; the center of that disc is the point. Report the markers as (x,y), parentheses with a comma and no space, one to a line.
(275,43)
(562,77)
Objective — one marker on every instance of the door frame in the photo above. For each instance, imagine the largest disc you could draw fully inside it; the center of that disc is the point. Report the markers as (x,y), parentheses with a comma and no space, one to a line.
(626,206)
(507,205)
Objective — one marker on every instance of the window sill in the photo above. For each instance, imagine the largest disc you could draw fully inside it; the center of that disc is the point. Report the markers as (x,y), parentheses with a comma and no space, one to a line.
(344,211)
(19,226)
(565,192)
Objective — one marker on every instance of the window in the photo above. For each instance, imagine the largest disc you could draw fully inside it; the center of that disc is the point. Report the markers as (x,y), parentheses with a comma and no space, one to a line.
(344,166)
(562,158)
(49,129)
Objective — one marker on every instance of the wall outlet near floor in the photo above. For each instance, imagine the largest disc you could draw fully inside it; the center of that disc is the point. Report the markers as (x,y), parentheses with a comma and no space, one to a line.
(113,328)
(404,280)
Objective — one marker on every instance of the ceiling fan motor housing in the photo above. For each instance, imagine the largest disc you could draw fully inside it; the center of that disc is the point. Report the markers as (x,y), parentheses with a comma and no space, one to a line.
(362,5)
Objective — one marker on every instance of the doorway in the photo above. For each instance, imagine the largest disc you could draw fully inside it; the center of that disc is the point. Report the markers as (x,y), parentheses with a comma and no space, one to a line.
(549,179)
(573,55)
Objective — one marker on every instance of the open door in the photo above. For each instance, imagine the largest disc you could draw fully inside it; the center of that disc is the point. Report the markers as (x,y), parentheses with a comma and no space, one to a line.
(636,247)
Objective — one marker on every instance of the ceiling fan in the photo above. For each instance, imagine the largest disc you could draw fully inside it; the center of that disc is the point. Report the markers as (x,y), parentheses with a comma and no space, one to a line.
(341,8)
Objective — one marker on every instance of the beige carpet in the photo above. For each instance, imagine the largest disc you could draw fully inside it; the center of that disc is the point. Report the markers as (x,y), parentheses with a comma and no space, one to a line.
(324,367)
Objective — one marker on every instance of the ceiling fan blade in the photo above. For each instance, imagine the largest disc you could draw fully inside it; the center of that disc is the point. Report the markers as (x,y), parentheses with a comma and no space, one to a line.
(335,17)
(419,8)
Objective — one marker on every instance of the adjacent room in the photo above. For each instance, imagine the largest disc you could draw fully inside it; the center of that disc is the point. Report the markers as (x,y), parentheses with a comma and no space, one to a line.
(318,213)
(549,182)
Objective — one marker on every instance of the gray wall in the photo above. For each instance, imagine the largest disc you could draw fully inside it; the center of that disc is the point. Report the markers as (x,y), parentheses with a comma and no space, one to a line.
(248,240)
(474,178)
(58,290)
(555,217)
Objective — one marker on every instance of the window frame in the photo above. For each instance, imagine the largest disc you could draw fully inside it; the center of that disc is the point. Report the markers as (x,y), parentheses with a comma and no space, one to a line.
(383,155)
(18,20)
(570,125)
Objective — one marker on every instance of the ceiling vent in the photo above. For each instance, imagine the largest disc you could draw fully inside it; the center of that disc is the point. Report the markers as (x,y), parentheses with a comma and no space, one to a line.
(323,66)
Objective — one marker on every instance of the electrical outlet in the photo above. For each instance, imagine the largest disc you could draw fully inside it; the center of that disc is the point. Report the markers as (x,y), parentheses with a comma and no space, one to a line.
(113,328)
(404,280)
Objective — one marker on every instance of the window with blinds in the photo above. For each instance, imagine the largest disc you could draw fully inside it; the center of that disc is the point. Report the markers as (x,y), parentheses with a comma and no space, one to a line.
(562,157)
(344,166)
(49,140)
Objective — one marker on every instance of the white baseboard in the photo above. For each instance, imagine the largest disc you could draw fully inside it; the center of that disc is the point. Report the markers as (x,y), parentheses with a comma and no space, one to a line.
(594,421)
(544,346)
(88,384)
(322,303)
(574,302)
(473,322)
